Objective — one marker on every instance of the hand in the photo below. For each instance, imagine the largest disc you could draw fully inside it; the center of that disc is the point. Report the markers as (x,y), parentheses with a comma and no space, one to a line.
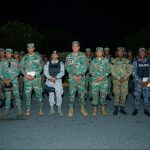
(28,77)
(7,82)
(122,80)
(52,79)
(99,79)
(32,77)
(144,84)
(77,78)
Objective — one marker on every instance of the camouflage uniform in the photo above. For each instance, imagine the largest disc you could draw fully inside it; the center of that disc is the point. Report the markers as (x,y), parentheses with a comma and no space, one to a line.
(99,68)
(10,70)
(32,63)
(120,68)
(76,65)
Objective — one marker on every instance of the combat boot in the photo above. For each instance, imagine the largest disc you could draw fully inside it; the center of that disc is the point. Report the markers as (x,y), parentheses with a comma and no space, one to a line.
(70,113)
(60,111)
(146,112)
(83,111)
(135,112)
(122,110)
(40,113)
(103,111)
(115,110)
(94,111)
(28,112)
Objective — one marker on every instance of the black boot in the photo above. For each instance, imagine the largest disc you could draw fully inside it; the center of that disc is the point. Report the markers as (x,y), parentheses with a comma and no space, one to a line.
(122,110)
(115,110)
(146,112)
(135,112)
(2,103)
(12,104)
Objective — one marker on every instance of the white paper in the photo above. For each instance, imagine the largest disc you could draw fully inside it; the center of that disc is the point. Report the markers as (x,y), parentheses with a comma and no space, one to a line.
(144,80)
(32,73)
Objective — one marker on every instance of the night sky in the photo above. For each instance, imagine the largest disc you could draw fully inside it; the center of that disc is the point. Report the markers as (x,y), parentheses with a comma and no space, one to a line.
(93,24)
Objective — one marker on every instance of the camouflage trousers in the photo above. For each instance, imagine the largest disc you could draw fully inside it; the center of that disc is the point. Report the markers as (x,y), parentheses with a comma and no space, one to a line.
(73,88)
(101,89)
(2,95)
(120,91)
(88,85)
(15,92)
(146,95)
(35,85)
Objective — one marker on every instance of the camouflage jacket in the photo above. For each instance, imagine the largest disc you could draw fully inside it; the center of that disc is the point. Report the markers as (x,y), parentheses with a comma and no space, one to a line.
(120,68)
(76,65)
(99,67)
(9,69)
(33,63)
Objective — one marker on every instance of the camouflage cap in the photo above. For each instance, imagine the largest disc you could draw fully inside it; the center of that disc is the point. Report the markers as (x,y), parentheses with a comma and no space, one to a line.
(30,45)
(106,49)
(16,53)
(99,49)
(9,50)
(2,50)
(76,42)
(142,49)
(120,49)
(87,49)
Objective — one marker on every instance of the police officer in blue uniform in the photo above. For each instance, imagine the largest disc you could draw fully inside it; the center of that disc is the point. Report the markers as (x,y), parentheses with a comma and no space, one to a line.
(141,71)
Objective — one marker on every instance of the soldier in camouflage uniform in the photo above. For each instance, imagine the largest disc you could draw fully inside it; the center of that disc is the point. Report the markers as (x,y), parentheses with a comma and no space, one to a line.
(2,95)
(87,76)
(9,74)
(99,70)
(120,70)
(141,69)
(76,66)
(109,58)
(32,66)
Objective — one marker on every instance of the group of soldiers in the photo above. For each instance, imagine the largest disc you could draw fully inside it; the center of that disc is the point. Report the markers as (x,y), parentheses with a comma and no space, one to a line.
(93,77)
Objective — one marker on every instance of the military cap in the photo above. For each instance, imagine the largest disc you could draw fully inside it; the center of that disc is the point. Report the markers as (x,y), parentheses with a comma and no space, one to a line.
(87,49)
(16,53)
(120,49)
(30,45)
(142,49)
(76,42)
(9,50)
(99,49)
(106,49)
(2,50)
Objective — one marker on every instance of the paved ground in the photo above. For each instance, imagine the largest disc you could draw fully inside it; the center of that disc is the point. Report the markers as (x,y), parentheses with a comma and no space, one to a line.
(111,132)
